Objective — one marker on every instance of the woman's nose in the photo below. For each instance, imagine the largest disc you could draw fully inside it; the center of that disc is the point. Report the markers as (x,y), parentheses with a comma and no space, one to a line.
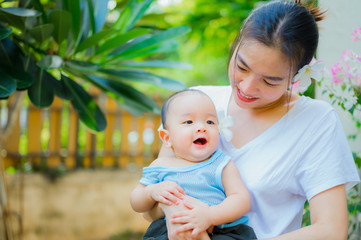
(249,84)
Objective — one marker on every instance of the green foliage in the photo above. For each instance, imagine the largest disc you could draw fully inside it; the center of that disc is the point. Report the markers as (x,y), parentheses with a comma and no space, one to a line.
(63,48)
(215,24)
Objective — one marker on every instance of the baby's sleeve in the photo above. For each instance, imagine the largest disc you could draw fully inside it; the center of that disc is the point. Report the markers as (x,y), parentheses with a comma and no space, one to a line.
(150,176)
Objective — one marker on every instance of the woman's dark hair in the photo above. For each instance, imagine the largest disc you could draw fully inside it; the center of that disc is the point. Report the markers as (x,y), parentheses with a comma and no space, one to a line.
(287,26)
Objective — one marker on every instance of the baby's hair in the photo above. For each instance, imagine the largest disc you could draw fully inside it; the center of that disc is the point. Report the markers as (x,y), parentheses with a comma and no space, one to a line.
(167,103)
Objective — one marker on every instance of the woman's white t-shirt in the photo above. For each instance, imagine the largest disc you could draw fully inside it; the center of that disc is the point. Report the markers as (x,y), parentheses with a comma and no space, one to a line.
(304,153)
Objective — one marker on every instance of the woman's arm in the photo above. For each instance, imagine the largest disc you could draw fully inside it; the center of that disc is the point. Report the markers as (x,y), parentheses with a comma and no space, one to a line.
(329,220)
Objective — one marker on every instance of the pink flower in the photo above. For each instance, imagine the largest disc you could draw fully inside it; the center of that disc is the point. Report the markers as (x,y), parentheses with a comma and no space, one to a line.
(338,74)
(356,35)
(347,55)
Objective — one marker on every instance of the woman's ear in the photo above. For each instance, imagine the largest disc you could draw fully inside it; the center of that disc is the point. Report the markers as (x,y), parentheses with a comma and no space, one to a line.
(164,135)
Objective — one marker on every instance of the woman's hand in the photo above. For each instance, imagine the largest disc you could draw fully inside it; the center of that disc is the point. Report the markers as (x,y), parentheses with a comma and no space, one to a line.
(197,219)
(176,231)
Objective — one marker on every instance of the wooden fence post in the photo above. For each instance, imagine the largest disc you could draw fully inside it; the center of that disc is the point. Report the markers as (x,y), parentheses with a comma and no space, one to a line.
(34,132)
(124,145)
(71,158)
(11,145)
(108,156)
(54,158)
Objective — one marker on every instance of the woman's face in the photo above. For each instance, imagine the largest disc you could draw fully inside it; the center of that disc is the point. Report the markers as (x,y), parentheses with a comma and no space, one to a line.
(259,76)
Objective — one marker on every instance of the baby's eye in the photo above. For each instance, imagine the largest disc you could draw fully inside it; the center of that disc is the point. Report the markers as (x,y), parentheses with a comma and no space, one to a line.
(188,122)
(210,122)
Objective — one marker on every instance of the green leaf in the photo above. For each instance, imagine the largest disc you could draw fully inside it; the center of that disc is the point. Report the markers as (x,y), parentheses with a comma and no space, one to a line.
(50,62)
(82,66)
(145,77)
(7,85)
(89,112)
(61,90)
(23,79)
(41,93)
(91,16)
(132,12)
(12,20)
(93,40)
(16,17)
(343,87)
(127,95)
(359,99)
(154,40)
(168,46)
(38,6)
(21,12)
(4,32)
(42,32)
(10,54)
(75,11)
(158,64)
(123,38)
(62,22)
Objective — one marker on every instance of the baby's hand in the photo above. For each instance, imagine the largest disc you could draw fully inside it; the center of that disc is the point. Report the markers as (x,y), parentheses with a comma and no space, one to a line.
(167,192)
(197,219)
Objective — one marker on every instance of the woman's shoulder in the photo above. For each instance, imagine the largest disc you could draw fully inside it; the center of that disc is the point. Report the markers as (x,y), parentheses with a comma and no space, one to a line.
(315,106)
(314,112)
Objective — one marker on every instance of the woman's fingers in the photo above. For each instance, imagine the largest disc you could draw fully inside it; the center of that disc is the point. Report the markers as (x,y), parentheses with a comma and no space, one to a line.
(179,219)
(184,228)
(188,205)
(195,232)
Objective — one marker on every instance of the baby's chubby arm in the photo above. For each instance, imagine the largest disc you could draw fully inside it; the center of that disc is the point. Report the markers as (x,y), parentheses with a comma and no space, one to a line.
(236,204)
(143,198)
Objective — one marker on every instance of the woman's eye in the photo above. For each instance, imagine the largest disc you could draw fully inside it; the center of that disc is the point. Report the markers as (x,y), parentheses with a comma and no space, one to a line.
(210,122)
(241,68)
(270,84)
(188,122)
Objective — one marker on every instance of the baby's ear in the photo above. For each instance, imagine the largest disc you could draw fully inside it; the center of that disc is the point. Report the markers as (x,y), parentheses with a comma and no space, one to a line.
(164,135)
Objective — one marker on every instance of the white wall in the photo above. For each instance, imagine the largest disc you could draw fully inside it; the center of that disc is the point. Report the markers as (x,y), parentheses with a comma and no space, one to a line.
(342,18)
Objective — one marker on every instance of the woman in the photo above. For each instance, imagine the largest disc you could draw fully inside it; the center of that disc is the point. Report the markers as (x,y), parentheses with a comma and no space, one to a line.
(288,148)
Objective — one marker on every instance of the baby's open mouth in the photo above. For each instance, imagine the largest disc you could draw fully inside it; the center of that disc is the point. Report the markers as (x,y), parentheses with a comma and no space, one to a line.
(200,141)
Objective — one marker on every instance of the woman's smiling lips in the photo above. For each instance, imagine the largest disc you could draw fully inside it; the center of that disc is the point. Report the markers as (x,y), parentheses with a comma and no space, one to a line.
(243,97)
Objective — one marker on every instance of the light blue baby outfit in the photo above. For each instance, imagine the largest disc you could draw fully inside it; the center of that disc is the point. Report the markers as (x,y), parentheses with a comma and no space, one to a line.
(200,180)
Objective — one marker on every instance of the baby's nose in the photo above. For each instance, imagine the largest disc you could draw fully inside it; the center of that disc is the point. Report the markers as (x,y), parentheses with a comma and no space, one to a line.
(201,128)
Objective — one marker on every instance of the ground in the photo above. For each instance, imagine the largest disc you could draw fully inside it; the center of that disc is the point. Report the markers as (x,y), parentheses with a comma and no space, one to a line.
(82,205)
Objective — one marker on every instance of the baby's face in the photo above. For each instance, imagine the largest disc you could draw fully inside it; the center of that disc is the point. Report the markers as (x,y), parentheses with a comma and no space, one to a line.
(193,127)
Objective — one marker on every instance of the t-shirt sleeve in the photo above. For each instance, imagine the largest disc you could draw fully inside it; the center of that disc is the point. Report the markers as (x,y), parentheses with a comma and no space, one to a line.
(149,177)
(326,160)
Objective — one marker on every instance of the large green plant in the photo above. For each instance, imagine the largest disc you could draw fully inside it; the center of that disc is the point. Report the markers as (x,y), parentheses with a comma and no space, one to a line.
(62,48)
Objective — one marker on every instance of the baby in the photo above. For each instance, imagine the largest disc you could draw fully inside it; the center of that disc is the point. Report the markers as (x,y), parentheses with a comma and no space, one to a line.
(197,169)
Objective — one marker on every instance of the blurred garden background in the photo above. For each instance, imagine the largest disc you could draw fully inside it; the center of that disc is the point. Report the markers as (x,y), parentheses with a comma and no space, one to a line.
(81,84)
